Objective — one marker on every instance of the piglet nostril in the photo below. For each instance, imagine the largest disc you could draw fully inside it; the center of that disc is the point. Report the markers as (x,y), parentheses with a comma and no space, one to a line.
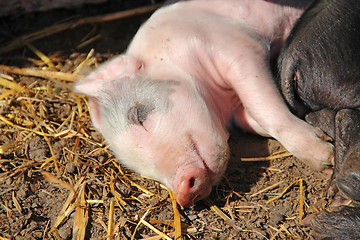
(192,182)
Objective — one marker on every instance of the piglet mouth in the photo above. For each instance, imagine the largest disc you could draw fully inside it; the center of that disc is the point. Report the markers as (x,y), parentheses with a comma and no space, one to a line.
(220,162)
(194,147)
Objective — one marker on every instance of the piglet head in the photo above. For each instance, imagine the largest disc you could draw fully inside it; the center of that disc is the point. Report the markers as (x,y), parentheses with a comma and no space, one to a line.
(159,128)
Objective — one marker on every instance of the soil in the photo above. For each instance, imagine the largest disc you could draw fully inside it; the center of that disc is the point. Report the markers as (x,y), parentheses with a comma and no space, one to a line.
(31,201)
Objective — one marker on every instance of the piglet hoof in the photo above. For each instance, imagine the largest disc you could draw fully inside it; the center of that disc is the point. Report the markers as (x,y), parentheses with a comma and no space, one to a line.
(326,140)
(322,152)
(349,185)
(320,163)
(310,145)
(342,223)
(194,186)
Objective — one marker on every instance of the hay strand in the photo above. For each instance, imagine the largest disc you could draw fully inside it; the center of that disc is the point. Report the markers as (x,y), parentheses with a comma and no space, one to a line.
(177,220)
(272,157)
(110,229)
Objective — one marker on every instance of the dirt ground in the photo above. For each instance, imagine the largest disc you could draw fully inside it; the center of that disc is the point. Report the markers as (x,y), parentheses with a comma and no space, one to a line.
(58,180)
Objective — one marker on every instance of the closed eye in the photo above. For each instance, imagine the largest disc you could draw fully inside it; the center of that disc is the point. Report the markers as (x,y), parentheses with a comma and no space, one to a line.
(138,114)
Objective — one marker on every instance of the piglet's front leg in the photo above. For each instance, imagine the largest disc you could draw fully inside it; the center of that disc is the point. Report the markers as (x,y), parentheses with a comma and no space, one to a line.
(266,113)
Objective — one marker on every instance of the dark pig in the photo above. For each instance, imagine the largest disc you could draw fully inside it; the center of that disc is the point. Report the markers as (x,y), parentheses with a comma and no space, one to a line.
(340,224)
(191,68)
(319,77)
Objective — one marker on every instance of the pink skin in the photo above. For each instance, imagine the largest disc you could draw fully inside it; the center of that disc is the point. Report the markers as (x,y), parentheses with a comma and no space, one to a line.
(219,51)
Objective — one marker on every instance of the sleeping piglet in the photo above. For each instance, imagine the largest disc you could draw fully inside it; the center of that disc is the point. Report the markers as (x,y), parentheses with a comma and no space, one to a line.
(192,68)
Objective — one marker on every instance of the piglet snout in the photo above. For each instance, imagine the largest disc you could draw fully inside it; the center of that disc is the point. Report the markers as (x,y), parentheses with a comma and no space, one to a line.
(194,185)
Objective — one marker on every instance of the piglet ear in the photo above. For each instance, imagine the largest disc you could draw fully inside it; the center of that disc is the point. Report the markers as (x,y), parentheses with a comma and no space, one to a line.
(121,66)
(95,113)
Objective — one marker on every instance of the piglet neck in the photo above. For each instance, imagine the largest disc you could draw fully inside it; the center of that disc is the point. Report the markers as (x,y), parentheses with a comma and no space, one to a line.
(218,100)
(162,70)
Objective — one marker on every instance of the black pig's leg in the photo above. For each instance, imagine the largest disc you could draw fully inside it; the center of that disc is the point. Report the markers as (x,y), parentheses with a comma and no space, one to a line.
(347,150)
